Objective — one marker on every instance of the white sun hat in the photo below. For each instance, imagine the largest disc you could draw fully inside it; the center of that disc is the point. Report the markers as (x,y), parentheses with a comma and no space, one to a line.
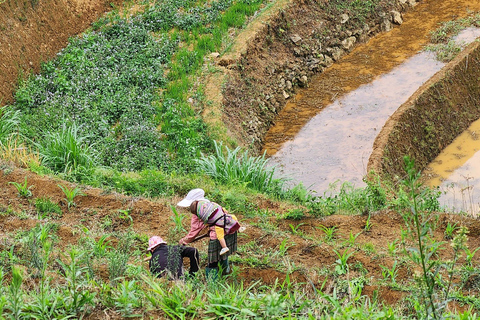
(193,195)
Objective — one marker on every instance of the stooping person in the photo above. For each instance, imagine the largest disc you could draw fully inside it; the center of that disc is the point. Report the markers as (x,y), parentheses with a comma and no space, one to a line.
(207,214)
(167,260)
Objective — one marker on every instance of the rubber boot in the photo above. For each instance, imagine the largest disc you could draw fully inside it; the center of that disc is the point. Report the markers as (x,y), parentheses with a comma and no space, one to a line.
(211,274)
(225,266)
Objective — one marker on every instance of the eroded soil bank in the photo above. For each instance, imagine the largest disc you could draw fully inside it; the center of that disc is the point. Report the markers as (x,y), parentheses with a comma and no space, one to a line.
(432,118)
(304,39)
(32,32)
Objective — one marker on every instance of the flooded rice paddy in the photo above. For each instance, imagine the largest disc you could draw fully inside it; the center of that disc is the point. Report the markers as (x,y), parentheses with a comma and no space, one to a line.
(326,132)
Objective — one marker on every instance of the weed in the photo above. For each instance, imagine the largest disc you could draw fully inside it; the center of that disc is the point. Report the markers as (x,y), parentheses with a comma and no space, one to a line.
(236,168)
(23,189)
(45,206)
(369,248)
(125,214)
(15,301)
(76,295)
(390,273)
(126,298)
(66,150)
(9,121)
(70,194)
(295,214)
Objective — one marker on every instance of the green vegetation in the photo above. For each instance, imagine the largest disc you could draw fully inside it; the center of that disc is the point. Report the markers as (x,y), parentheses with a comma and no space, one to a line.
(232,168)
(23,189)
(112,111)
(46,206)
(442,41)
(70,194)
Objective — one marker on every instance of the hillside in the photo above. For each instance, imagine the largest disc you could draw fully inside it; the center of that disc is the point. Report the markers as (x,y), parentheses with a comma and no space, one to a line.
(131,95)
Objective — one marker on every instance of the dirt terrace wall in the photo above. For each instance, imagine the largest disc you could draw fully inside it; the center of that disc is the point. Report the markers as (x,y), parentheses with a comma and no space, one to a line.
(432,118)
(33,31)
(300,41)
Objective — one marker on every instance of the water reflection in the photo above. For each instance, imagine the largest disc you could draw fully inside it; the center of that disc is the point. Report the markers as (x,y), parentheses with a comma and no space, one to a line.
(337,142)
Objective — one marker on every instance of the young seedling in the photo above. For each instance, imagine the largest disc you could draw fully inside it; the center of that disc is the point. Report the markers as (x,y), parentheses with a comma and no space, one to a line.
(392,247)
(70,194)
(352,238)
(23,189)
(329,232)
(390,273)
(368,224)
(284,246)
(294,229)
(177,220)
(449,230)
(342,265)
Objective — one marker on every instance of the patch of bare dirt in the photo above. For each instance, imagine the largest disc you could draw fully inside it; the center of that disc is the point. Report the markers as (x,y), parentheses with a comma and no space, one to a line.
(32,32)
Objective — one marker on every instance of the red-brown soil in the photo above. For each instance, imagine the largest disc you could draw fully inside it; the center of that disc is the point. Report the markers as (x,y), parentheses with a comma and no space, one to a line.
(32,32)
(307,255)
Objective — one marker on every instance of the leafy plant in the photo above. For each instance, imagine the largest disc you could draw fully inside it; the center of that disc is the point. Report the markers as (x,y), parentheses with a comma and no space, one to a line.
(45,206)
(66,150)
(368,224)
(329,232)
(235,168)
(392,247)
(177,220)
(124,214)
(390,273)
(23,189)
(295,229)
(9,121)
(126,297)
(419,225)
(341,263)
(449,230)
(70,194)
(284,246)
(352,238)
(295,214)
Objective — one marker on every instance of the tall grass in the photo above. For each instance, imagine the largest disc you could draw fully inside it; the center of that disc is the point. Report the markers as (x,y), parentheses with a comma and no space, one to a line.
(66,150)
(9,121)
(237,167)
(12,149)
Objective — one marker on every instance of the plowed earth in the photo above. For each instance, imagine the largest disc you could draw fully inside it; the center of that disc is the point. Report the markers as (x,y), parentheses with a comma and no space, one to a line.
(308,250)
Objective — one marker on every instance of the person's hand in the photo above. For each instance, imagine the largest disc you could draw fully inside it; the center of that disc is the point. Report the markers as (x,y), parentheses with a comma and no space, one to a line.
(182,242)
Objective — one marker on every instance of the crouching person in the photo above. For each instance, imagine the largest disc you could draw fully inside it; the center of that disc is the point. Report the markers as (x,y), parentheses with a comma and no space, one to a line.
(168,259)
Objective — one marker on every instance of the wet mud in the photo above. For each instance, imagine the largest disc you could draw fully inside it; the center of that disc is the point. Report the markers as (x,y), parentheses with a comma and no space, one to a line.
(313,143)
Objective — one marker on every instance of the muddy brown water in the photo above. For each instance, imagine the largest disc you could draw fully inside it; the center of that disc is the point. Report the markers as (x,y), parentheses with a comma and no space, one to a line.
(456,171)
(326,132)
